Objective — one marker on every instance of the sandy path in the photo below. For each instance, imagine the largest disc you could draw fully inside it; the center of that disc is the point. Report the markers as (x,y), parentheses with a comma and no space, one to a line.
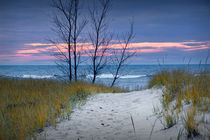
(107,117)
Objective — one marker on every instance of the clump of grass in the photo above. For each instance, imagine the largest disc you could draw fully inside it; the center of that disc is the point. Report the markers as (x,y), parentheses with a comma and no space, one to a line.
(166,116)
(190,123)
(182,87)
(28,105)
(170,120)
(159,79)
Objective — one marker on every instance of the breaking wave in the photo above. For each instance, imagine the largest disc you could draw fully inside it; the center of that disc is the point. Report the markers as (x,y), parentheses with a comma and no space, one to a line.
(37,76)
(108,76)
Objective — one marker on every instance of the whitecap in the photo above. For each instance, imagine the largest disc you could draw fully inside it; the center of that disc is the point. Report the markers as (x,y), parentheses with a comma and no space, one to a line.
(131,76)
(108,76)
(37,76)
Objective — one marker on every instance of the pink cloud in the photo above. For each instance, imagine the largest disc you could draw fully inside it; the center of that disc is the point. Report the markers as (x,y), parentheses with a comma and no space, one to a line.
(28,51)
(138,47)
(37,44)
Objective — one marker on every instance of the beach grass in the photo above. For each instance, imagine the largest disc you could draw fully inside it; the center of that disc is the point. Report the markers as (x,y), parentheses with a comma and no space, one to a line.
(183,88)
(28,105)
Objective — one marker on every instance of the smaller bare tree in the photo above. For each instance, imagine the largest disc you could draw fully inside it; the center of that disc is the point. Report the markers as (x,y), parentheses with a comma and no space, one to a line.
(121,55)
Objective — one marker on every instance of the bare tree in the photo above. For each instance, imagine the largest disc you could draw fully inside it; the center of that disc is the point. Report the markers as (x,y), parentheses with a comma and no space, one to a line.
(77,29)
(68,28)
(122,54)
(99,38)
(63,27)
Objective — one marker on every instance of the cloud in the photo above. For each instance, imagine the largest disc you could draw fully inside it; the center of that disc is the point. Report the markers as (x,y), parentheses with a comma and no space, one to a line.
(37,44)
(42,51)
(139,47)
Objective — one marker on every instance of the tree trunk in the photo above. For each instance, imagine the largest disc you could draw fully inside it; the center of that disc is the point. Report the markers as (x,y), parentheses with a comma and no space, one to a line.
(94,77)
(75,38)
(75,62)
(115,78)
(70,73)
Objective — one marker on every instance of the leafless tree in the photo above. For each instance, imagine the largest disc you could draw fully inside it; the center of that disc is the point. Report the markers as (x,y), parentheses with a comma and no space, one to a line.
(122,54)
(68,29)
(99,37)
(77,29)
(63,27)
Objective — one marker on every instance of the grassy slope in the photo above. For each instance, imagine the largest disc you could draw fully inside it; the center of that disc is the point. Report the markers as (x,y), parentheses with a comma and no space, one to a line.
(27,105)
(183,88)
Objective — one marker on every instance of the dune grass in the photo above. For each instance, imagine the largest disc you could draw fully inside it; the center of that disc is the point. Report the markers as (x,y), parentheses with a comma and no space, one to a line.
(183,88)
(28,105)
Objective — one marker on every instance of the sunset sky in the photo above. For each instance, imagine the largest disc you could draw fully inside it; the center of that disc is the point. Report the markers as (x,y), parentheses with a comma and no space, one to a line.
(177,30)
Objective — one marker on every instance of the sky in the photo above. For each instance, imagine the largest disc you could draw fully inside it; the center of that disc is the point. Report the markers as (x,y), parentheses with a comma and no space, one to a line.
(176,31)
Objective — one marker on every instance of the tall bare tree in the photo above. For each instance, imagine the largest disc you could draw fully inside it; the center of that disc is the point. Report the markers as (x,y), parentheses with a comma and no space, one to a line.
(63,27)
(68,26)
(78,26)
(122,54)
(99,38)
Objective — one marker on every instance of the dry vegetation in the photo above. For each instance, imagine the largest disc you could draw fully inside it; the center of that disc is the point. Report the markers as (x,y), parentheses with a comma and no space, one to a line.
(28,105)
(186,98)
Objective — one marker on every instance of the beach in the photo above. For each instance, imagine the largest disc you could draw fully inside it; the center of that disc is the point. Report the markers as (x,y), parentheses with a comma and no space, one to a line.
(113,116)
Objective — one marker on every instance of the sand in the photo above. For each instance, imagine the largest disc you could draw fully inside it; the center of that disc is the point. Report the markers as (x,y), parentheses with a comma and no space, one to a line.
(108,117)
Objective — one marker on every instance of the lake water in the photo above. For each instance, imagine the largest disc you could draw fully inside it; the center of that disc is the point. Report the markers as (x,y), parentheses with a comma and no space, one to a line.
(131,76)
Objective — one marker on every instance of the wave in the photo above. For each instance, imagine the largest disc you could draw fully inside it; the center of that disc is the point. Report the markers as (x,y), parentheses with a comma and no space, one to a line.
(132,76)
(37,76)
(109,76)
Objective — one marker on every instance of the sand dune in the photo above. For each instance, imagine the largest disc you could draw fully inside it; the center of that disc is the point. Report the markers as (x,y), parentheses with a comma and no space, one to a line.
(108,116)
